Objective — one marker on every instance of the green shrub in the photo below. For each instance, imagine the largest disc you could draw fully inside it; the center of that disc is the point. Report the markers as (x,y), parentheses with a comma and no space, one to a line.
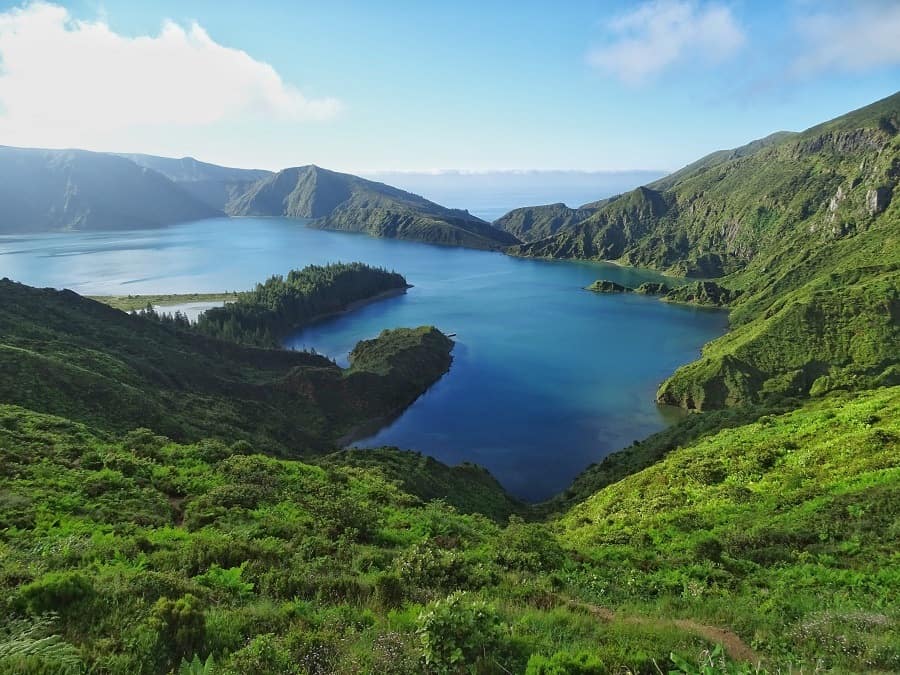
(565,663)
(529,546)
(428,567)
(263,655)
(180,626)
(226,581)
(197,667)
(62,592)
(458,634)
(29,648)
(388,591)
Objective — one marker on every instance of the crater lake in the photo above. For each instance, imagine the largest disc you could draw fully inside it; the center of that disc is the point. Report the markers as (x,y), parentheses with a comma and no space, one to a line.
(547,378)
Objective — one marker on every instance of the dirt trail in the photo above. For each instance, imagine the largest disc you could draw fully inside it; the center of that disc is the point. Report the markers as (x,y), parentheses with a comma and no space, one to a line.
(736,648)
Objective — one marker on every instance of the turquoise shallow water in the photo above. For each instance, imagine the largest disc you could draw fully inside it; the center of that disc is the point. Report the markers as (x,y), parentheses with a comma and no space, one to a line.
(546,379)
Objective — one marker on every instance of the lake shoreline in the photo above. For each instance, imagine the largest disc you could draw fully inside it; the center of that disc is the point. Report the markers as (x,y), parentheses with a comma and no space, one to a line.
(541,367)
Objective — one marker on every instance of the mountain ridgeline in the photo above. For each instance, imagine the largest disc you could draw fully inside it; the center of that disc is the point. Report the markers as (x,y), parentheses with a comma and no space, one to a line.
(339,201)
(60,190)
(800,231)
(216,186)
(63,190)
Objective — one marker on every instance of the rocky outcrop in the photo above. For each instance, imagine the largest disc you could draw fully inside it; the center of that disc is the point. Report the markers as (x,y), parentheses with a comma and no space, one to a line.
(877,200)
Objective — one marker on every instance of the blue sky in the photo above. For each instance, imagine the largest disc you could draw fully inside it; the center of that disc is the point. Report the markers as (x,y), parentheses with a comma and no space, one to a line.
(368,86)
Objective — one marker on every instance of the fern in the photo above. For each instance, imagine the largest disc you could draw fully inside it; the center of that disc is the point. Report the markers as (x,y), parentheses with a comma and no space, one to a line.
(197,667)
(27,646)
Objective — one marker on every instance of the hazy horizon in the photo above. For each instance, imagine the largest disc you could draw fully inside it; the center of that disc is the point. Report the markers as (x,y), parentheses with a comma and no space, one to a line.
(630,86)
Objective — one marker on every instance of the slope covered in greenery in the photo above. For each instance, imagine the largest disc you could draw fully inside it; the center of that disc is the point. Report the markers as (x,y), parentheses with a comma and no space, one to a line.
(339,201)
(784,529)
(802,230)
(152,552)
(67,355)
(468,488)
(59,190)
(532,223)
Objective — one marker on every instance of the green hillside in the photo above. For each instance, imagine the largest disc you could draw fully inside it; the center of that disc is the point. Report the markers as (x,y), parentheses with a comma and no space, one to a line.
(801,231)
(339,201)
(532,223)
(784,529)
(70,356)
(772,539)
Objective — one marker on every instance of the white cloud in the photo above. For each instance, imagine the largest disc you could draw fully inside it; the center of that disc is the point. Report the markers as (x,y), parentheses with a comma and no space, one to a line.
(659,34)
(70,82)
(859,37)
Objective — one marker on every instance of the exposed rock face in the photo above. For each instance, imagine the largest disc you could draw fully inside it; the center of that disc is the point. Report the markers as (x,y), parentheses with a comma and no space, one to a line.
(835,202)
(604,286)
(877,200)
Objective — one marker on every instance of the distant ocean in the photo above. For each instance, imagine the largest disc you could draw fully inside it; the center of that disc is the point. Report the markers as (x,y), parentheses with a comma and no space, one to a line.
(490,195)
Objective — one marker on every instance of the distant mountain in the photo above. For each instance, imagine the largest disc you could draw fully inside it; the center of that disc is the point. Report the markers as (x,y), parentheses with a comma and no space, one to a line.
(339,201)
(489,194)
(532,223)
(215,185)
(59,190)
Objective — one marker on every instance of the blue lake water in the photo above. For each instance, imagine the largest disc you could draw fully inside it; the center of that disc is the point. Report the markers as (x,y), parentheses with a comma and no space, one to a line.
(546,378)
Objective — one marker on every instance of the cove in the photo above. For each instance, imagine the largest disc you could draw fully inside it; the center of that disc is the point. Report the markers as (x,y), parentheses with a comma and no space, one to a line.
(547,378)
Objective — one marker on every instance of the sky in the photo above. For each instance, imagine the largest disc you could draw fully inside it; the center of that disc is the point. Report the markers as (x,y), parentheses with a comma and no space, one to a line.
(375,86)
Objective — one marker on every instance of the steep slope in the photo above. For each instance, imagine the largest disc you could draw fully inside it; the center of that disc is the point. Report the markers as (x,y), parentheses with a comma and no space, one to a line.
(803,231)
(58,190)
(216,186)
(338,201)
(67,355)
(147,551)
(718,157)
(791,520)
(532,223)
(728,209)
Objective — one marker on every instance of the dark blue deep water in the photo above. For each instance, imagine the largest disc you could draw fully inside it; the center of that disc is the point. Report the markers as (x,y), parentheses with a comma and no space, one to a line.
(546,378)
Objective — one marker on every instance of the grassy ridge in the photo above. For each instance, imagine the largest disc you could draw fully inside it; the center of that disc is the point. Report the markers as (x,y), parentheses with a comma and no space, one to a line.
(532,223)
(67,355)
